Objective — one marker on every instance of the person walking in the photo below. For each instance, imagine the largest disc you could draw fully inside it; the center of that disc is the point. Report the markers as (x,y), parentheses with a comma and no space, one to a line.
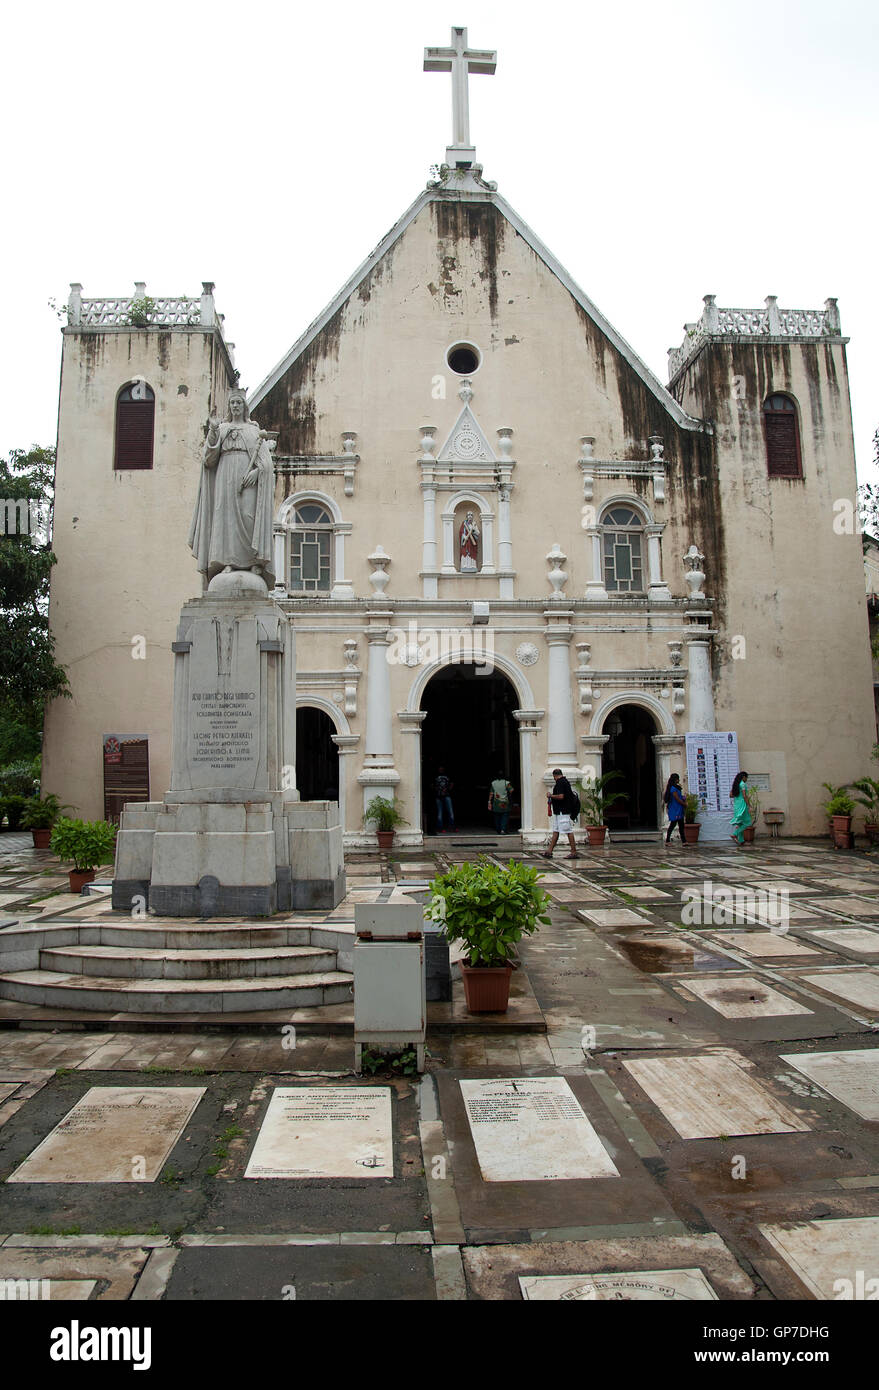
(675,803)
(442,790)
(741,816)
(560,804)
(499,797)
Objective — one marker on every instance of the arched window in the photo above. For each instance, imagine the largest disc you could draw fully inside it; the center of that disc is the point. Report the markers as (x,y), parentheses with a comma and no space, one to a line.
(782,437)
(623,551)
(311,549)
(135,418)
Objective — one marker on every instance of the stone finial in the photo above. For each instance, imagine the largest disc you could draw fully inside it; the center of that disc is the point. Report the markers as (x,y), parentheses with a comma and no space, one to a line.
(466,391)
(379,579)
(505,443)
(557,576)
(675,653)
(74,304)
(207,311)
(428,443)
(710,316)
(349,646)
(140,289)
(771,302)
(587,446)
(832,323)
(656,448)
(349,444)
(695,574)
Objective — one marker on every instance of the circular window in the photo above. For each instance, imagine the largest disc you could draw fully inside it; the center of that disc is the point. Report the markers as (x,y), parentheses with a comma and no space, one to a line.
(463,359)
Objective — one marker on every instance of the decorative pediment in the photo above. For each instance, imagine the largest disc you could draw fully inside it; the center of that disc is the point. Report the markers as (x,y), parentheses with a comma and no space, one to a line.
(467,442)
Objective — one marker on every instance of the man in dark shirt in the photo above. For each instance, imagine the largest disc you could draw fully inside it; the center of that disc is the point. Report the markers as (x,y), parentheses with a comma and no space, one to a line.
(559,805)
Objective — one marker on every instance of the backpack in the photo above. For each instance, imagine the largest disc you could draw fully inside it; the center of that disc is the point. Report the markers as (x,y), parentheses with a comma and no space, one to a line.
(575,805)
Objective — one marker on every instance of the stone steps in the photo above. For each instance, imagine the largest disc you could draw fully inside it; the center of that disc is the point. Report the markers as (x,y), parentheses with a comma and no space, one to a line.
(166,963)
(170,996)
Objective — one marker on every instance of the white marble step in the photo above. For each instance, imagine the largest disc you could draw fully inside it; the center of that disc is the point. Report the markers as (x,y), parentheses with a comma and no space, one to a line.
(102,993)
(154,963)
(213,937)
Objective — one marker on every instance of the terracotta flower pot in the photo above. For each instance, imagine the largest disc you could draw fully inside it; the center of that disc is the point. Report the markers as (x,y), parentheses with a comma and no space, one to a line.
(691,831)
(872,829)
(595,834)
(42,838)
(79,878)
(748,834)
(385,838)
(486,988)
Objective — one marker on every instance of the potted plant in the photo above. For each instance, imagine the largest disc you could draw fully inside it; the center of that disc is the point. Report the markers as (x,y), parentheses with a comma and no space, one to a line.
(839,809)
(40,814)
(869,798)
(753,799)
(86,844)
(489,909)
(692,807)
(596,801)
(386,816)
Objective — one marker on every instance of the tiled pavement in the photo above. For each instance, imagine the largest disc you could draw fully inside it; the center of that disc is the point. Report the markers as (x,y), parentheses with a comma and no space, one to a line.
(727,1063)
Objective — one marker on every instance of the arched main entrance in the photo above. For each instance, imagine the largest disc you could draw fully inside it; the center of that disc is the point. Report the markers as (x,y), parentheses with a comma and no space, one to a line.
(470,732)
(631,751)
(317,757)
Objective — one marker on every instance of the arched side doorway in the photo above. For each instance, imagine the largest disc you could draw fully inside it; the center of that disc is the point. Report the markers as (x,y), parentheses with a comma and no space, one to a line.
(470,731)
(630,750)
(317,757)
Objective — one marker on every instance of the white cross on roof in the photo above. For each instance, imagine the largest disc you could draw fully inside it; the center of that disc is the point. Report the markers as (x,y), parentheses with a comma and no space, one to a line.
(460,61)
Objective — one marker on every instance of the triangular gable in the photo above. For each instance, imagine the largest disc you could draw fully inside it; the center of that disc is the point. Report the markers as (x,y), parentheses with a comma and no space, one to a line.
(444,192)
(466,442)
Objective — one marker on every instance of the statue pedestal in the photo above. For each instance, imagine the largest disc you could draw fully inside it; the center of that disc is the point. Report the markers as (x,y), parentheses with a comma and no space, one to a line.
(231,837)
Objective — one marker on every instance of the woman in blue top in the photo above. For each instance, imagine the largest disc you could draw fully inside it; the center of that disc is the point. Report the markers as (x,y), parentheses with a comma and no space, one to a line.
(675,802)
(741,816)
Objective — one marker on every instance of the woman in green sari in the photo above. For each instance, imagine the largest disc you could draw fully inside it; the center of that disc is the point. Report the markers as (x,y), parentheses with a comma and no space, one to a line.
(741,817)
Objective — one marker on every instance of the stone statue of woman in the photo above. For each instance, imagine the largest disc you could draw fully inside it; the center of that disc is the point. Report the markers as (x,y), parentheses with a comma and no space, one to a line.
(231,532)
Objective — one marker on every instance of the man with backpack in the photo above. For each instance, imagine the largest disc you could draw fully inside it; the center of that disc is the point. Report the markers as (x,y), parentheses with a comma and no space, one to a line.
(499,802)
(563,805)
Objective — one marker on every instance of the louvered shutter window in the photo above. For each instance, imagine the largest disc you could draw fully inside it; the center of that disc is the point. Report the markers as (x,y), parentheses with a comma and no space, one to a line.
(135,415)
(782,437)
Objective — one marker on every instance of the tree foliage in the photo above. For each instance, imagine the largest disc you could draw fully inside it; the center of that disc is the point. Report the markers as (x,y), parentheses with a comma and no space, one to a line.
(29,674)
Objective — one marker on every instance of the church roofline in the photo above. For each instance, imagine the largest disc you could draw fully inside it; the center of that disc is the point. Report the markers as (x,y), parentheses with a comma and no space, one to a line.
(477,191)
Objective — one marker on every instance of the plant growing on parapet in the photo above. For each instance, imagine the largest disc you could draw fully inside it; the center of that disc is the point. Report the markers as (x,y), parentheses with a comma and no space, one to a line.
(839,803)
(488,908)
(384,813)
(140,311)
(85,844)
(596,799)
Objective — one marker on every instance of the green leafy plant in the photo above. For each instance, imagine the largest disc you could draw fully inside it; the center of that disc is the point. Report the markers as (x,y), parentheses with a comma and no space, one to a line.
(140,311)
(839,803)
(41,813)
(403,1063)
(869,789)
(692,807)
(384,812)
(21,778)
(85,844)
(488,908)
(596,799)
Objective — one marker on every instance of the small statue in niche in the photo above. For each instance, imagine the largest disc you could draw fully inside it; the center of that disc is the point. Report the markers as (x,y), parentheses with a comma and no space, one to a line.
(469,544)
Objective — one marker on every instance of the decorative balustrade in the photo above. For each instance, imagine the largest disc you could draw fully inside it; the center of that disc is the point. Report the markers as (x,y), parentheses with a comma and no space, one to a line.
(769,322)
(141,310)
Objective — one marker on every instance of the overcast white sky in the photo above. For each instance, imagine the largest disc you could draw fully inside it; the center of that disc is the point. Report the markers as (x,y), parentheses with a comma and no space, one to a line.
(663,149)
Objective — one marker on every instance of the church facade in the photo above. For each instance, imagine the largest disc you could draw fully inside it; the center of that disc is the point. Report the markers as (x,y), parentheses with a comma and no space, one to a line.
(504,545)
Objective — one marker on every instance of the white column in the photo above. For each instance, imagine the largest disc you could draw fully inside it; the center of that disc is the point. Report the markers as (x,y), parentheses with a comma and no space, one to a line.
(658,589)
(346,744)
(487,519)
(529,725)
(449,543)
(593,748)
(342,587)
(669,758)
(701,693)
(279,537)
(411,721)
(428,555)
(561,743)
(505,542)
(595,586)
(378,776)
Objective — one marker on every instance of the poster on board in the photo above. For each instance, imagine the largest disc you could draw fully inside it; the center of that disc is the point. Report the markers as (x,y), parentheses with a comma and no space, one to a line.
(712,763)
